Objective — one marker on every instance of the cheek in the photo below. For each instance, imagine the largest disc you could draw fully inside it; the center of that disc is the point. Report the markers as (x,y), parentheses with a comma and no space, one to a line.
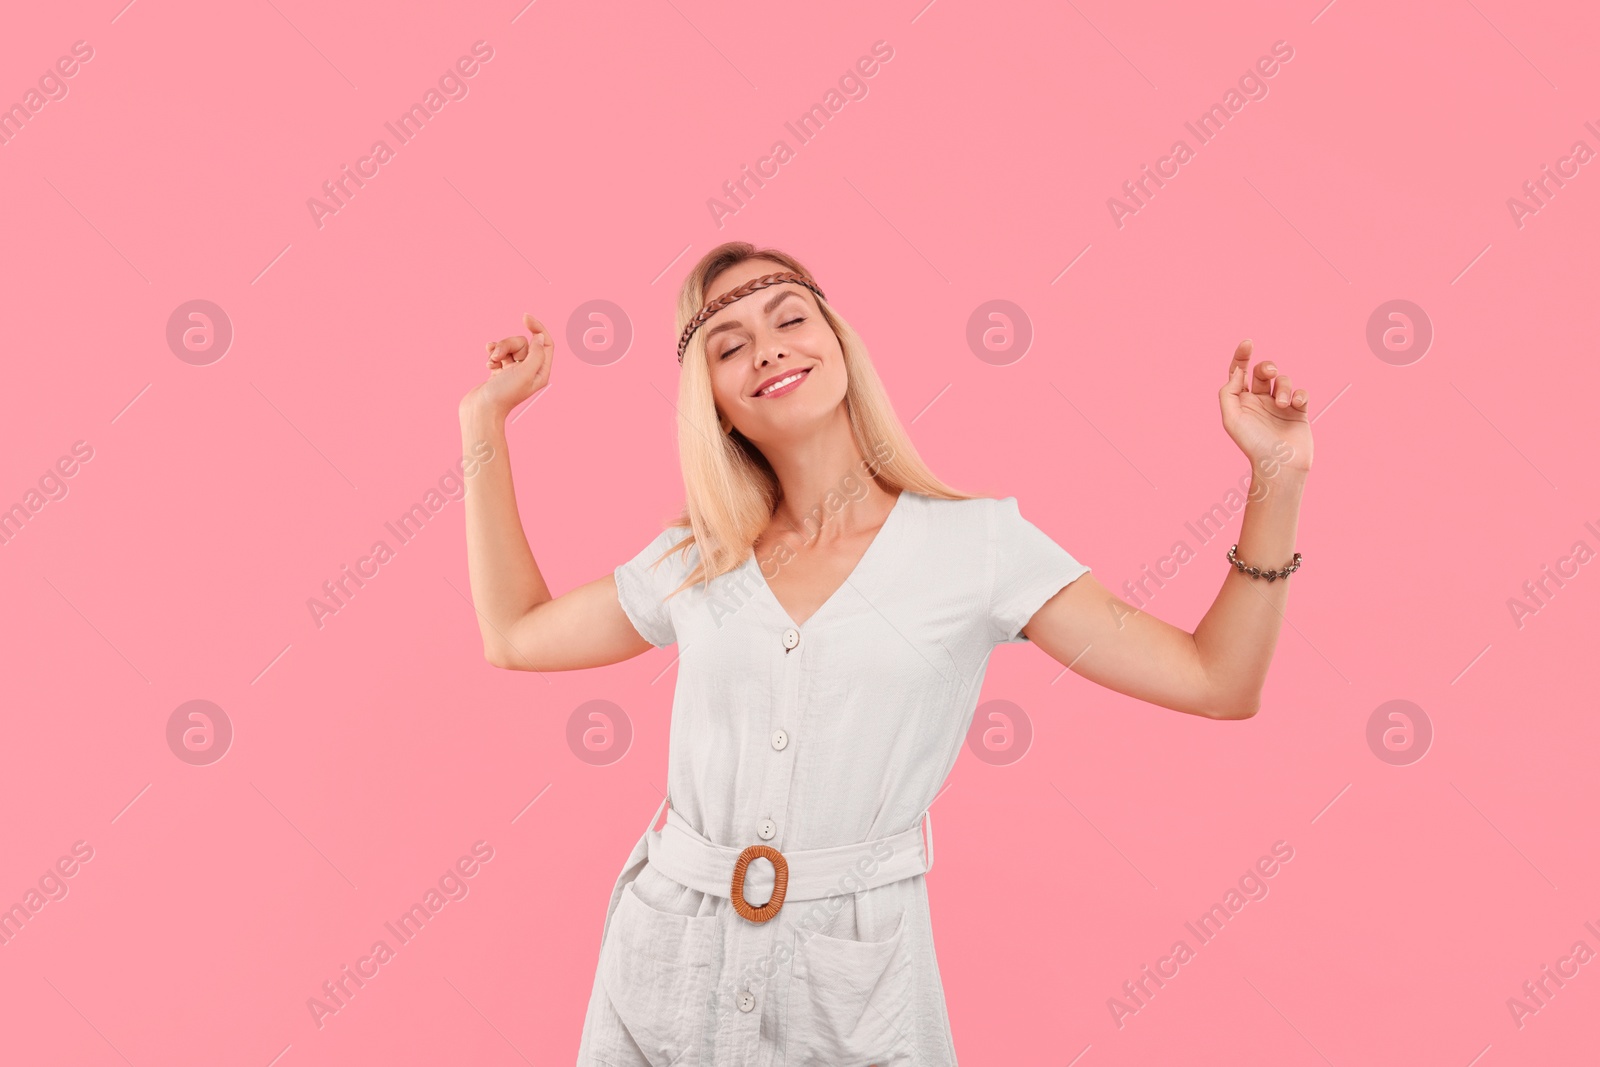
(835,377)
(724,387)
(827,350)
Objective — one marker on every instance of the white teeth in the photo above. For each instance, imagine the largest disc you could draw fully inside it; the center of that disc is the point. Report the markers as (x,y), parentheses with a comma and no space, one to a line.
(781,383)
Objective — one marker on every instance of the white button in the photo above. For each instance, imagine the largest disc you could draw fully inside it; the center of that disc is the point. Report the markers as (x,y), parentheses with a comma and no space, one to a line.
(767,829)
(791,637)
(780,740)
(747,1000)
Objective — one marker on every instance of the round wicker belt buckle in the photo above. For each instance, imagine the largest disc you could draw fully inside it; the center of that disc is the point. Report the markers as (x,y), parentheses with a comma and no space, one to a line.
(780,883)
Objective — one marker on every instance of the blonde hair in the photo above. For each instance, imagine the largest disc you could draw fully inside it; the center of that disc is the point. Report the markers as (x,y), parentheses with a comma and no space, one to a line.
(730,490)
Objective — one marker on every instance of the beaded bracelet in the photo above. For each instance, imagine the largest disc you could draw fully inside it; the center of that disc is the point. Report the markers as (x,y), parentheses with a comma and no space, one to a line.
(1257,572)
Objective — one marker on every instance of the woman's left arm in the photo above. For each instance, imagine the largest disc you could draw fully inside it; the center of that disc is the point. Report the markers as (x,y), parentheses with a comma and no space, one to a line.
(1219,669)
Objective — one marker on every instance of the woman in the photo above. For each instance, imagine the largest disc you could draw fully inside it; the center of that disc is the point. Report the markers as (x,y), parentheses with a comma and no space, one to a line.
(834,606)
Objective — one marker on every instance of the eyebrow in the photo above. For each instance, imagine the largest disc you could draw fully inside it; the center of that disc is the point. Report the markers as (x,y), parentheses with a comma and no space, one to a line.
(734,324)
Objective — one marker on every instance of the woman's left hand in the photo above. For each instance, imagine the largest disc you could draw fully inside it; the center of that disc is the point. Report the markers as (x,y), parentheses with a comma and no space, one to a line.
(1265,415)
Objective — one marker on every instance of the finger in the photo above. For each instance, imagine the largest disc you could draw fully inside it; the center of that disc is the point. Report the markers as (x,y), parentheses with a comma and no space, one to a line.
(509,350)
(1238,371)
(1261,382)
(1234,387)
(541,336)
(1282,390)
(1300,399)
(543,356)
(545,345)
(1241,357)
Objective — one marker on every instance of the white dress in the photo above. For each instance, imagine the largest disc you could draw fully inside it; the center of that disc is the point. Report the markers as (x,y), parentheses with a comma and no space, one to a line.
(838,731)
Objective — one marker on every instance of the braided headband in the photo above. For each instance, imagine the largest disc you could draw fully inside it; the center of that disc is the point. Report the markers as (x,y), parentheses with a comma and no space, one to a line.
(734,294)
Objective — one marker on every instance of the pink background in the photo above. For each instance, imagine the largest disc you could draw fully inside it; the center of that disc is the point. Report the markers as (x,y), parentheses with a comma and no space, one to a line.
(370,753)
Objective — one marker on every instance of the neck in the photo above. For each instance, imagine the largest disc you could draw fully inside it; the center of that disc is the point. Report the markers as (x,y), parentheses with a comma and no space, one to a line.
(825,482)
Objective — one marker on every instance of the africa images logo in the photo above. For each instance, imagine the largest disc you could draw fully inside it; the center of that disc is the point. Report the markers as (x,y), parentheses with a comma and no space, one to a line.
(452,85)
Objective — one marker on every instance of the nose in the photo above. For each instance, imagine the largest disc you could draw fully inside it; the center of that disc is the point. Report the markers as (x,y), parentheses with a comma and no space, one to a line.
(768,353)
(768,347)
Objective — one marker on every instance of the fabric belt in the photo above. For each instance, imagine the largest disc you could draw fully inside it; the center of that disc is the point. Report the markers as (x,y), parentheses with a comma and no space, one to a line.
(686,856)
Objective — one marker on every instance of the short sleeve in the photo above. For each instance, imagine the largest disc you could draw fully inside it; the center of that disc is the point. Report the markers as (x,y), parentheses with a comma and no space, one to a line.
(1026,569)
(642,587)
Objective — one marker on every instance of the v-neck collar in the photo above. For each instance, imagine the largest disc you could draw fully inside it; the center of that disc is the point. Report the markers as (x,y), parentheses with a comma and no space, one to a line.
(889,526)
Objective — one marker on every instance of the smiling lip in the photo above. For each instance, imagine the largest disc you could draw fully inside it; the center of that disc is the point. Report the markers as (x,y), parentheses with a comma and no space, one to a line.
(791,387)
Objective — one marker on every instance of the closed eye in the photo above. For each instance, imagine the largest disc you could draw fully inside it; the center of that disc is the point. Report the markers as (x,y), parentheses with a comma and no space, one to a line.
(730,351)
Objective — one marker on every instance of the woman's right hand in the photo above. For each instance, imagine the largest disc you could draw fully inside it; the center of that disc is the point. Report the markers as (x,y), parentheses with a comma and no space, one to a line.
(517,370)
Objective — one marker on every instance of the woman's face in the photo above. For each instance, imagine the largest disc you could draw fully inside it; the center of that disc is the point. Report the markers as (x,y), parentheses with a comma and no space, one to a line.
(761,339)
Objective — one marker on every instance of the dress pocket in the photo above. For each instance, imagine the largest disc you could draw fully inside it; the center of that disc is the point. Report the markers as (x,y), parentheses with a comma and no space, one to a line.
(655,968)
(850,1002)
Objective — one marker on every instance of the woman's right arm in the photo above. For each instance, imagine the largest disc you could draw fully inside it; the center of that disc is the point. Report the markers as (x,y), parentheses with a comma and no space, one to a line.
(523,626)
